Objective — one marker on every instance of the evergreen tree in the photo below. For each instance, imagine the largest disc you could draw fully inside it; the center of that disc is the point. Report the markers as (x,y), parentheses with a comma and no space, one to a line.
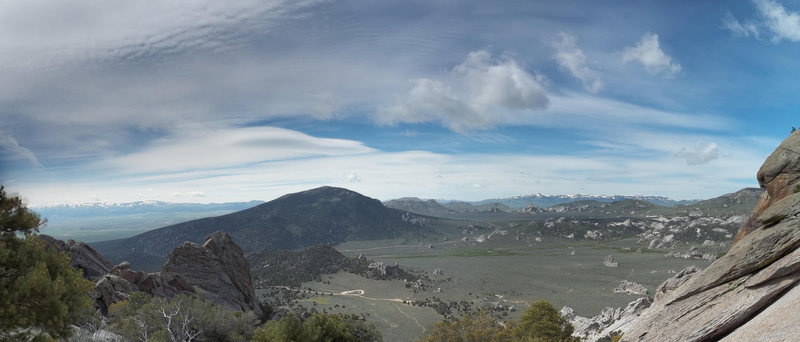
(543,323)
(40,293)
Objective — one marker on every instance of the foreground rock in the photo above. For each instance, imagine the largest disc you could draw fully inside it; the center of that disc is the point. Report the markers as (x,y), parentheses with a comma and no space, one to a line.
(673,283)
(609,320)
(216,270)
(751,293)
(82,256)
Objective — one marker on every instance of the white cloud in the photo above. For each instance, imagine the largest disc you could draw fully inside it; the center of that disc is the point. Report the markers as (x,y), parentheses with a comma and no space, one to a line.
(189,193)
(352,177)
(783,24)
(11,145)
(218,148)
(479,93)
(699,154)
(738,28)
(648,52)
(570,57)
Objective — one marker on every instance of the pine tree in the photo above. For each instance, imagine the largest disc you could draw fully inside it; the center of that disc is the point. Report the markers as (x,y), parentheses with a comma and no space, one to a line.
(40,293)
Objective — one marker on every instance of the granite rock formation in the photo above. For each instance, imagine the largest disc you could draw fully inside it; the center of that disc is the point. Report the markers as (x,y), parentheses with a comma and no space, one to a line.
(216,269)
(82,256)
(751,293)
(630,287)
(608,321)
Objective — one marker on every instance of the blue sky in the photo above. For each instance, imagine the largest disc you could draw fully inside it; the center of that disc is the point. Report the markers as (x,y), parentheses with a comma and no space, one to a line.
(212,102)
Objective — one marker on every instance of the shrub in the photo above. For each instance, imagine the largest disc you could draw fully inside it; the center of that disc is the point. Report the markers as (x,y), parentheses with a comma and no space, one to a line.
(181,318)
(320,327)
(468,329)
(540,323)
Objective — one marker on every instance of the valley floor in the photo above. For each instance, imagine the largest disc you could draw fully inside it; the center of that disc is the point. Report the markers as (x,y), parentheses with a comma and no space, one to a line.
(502,275)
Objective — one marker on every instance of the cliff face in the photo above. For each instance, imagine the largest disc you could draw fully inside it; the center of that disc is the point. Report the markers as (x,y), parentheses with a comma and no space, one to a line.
(751,293)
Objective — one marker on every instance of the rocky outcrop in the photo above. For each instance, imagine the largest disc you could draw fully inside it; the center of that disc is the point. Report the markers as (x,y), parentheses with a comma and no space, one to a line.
(693,253)
(750,293)
(82,256)
(610,262)
(630,287)
(216,270)
(609,320)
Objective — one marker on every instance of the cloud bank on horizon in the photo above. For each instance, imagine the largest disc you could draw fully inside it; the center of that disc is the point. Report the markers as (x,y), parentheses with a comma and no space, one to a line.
(213,102)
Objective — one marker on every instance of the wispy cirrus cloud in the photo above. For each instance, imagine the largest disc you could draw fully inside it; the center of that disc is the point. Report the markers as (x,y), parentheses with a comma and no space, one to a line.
(10,145)
(774,21)
(571,58)
(738,28)
(41,33)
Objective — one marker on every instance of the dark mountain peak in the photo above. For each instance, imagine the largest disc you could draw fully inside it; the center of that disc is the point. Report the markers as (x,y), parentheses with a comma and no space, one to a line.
(326,191)
(325,196)
(321,215)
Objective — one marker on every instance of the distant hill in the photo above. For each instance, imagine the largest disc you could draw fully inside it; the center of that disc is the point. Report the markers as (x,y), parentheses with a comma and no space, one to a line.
(322,215)
(540,200)
(418,206)
(467,207)
(740,201)
(432,208)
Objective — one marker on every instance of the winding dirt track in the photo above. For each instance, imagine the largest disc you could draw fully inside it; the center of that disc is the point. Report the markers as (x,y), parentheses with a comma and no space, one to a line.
(360,293)
(353,293)
(412,317)
(398,246)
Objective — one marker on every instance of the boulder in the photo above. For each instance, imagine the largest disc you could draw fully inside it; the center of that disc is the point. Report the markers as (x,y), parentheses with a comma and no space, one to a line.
(82,256)
(609,262)
(751,292)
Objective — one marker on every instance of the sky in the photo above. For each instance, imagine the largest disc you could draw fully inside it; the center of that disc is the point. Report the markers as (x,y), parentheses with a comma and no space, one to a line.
(218,101)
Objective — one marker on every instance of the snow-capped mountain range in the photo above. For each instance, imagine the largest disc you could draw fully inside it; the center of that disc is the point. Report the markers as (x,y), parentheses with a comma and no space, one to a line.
(139,207)
(543,200)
